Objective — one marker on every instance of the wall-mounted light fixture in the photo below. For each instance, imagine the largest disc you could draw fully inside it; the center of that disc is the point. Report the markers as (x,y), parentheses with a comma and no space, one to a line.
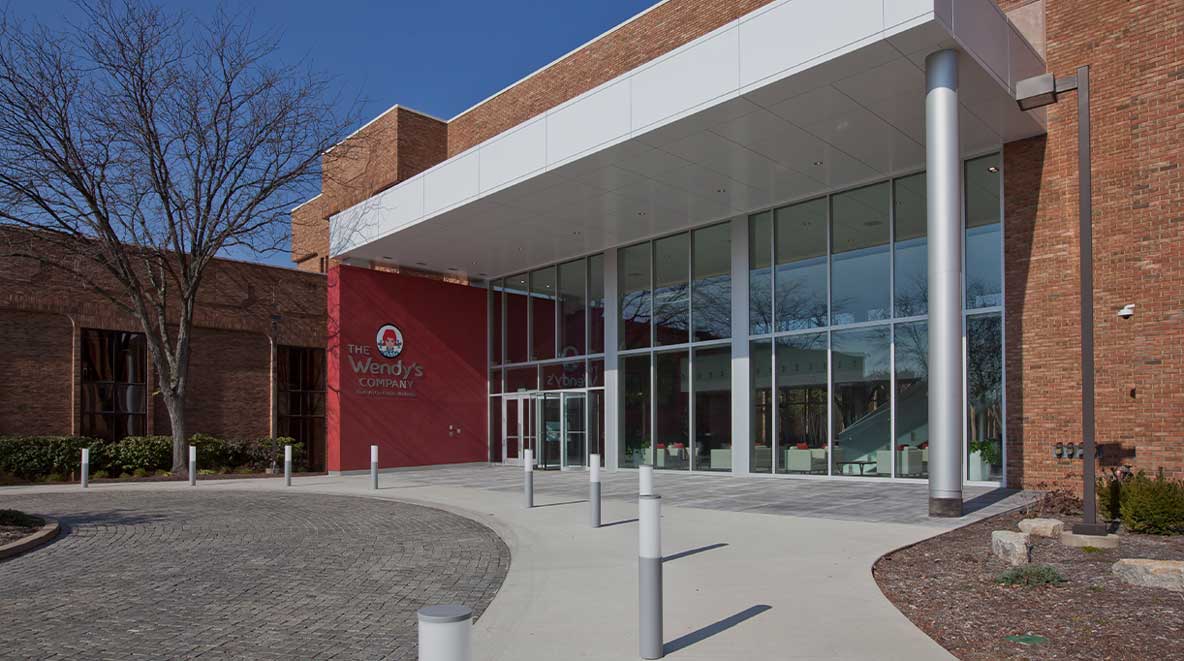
(1059,450)
(1070,450)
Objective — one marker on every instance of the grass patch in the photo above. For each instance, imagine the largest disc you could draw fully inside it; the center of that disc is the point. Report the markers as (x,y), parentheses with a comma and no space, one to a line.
(1030,575)
(1090,549)
(19,519)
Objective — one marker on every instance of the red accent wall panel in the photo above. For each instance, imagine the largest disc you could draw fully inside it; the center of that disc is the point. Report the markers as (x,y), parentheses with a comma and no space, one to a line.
(407,370)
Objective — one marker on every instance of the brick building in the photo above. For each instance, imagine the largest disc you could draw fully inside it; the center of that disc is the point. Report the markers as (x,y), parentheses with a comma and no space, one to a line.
(792,237)
(623,206)
(75,364)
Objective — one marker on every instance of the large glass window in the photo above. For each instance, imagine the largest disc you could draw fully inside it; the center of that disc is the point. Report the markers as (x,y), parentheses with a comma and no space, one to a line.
(114,384)
(713,408)
(711,290)
(911,255)
(912,399)
(634,282)
(596,304)
(861,413)
(984,284)
(859,239)
(799,293)
(517,295)
(801,403)
(635,411)
(572,314)
(760,373)
(542,313)
(522,379)
(984,397)
(671,290)
(672,419)
(495,322)
(760,274)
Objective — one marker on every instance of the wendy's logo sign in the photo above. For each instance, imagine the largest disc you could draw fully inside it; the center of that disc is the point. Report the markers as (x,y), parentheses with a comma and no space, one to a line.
(389,340)
(383,378)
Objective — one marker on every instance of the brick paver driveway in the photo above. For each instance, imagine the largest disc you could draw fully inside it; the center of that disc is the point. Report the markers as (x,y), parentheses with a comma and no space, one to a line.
(168,575)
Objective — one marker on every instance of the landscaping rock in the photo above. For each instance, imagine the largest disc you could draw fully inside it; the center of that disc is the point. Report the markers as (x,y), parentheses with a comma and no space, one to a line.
(1043,527)
(1166,574)
(1012,547)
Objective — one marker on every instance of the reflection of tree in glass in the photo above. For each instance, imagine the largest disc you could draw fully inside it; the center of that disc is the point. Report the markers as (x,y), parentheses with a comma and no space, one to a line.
(984,379)
(712,307)
(912,295)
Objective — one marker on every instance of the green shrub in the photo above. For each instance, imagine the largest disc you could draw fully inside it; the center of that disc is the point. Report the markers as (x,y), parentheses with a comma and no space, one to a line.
(140,472)
(140,453)
(19,519)
(100,475)
(1153,506)
(34,457)
(1029,575)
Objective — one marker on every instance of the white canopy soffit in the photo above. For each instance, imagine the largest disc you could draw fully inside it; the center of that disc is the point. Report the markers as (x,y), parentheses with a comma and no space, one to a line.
(794,99)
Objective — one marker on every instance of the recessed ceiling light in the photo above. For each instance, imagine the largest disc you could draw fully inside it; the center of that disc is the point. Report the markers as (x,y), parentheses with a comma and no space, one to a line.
(483,274)
(453,268)
(721,190)
(817,163)
(387,257)
(641,213)
(421,263)
(993,169)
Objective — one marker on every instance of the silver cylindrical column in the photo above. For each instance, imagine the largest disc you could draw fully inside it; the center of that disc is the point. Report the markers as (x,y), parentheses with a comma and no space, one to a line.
(84,473)
(594,488)
(445,633)
(645,481)
(649,563)
(528,477)
(287,465)
(944,222)
(373,466)
(193,465)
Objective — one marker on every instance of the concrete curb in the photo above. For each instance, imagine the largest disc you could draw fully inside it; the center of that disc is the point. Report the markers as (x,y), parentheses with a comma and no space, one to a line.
(46,534)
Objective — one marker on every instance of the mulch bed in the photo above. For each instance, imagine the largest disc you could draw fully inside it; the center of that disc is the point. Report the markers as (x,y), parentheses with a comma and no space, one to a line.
(947,587)
(12,533)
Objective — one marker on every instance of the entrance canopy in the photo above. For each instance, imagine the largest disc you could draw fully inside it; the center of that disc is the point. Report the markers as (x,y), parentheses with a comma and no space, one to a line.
(794,99)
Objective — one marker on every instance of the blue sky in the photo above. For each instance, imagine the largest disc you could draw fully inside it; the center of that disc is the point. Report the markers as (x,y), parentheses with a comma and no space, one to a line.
(436,57)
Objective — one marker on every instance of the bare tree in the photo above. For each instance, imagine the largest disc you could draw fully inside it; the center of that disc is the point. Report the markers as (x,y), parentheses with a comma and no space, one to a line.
(138,145)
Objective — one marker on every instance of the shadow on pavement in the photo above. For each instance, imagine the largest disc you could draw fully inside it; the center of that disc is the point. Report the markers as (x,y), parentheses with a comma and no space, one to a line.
(683,554)
(566,502)
(984,500)
(715,627)
(618,523)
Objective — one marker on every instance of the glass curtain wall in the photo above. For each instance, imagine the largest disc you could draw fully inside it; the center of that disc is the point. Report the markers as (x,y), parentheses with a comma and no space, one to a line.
(839,334)
(546,333)
(679,419)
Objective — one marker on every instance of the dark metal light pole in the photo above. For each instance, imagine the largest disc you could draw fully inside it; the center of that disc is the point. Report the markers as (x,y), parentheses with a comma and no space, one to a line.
(1035,93)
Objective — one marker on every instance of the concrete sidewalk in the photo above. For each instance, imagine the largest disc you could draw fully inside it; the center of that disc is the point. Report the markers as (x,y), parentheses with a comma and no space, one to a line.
(738,585)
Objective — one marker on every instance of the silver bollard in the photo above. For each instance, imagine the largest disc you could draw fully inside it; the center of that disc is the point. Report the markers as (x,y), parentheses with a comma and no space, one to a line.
(528,477)
(445,633)
(85,472)
(594,488)
(287,465)
(374,466)
(649,563)
(193,465)
(645,477)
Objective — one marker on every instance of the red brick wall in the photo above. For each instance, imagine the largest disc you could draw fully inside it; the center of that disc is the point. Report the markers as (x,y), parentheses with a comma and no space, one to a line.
(230,376)
(229,387)
(1136,54)
(36,350)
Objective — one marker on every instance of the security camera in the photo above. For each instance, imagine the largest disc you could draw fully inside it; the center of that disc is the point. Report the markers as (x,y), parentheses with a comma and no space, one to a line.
(1127,311)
